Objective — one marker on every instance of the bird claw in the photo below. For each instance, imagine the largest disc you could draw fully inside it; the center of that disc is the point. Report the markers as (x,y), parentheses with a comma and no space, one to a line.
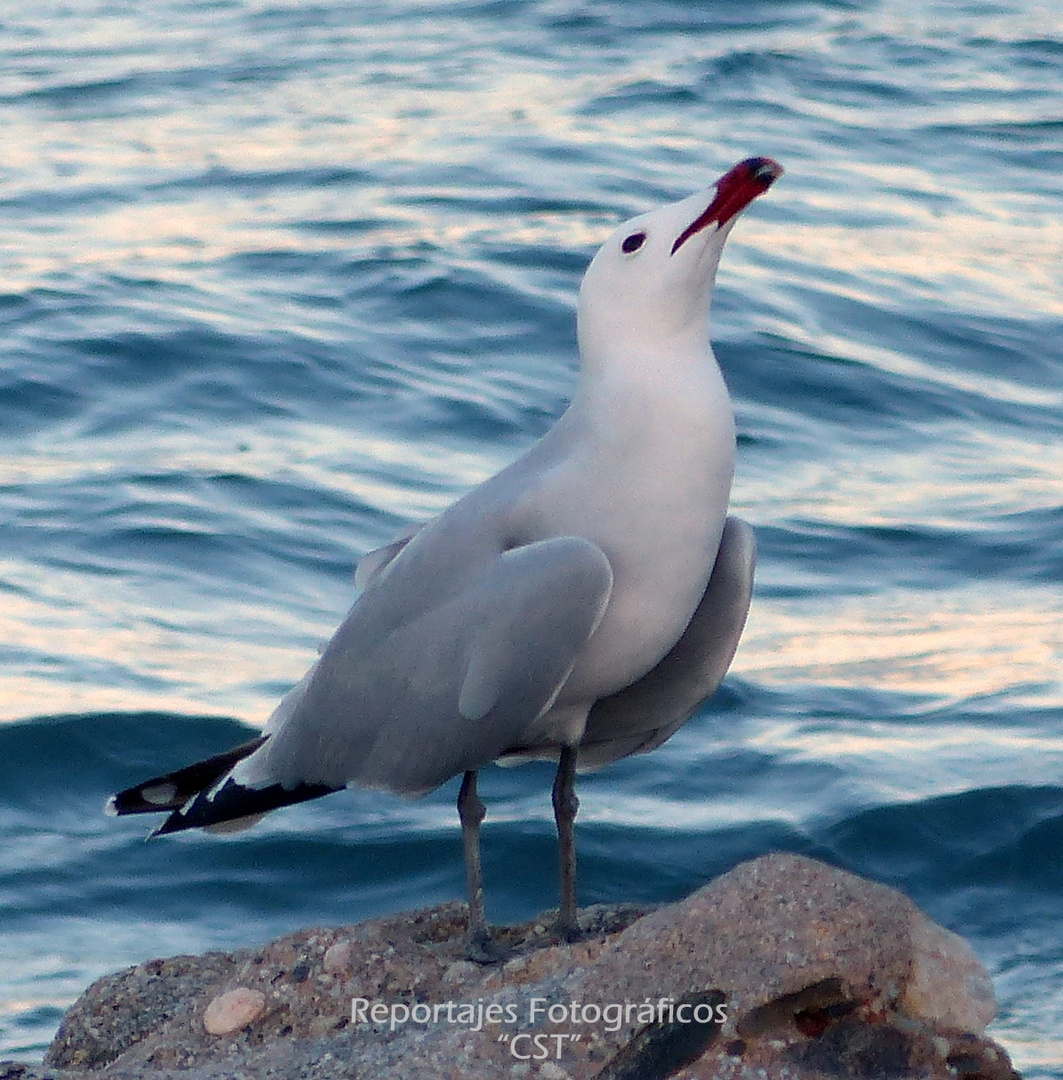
(568,930)
(481,948)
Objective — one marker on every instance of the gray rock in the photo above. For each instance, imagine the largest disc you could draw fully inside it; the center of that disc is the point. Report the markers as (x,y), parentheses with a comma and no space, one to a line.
(782,969)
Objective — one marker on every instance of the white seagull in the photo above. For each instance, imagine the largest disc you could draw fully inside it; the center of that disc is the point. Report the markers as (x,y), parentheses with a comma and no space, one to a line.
(578,606)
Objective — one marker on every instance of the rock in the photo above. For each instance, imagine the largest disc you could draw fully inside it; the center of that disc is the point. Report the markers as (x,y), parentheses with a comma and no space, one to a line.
(337,957)
(233,1010)
(782,969)
(948,981)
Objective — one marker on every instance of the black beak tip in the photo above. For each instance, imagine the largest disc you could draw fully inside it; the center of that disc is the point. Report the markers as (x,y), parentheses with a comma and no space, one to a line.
(764,170)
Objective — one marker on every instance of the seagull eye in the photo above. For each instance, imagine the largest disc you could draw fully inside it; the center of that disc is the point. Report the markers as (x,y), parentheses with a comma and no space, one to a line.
(633,242)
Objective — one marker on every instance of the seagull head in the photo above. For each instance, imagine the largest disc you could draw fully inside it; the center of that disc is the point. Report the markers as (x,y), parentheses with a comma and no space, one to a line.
(650,285)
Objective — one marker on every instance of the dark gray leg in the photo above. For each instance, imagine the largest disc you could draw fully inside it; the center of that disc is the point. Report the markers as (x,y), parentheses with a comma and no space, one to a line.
(471,812)
(565,806)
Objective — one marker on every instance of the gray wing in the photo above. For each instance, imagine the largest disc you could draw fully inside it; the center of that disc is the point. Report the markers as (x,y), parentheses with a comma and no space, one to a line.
(373,563)
(370,568)
(438,668)
(651,710)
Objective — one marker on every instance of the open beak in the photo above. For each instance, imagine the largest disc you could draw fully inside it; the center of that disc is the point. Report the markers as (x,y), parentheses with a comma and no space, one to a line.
(735,190)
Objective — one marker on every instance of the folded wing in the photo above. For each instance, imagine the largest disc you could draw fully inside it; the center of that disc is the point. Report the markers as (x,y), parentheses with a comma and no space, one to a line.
(645,714)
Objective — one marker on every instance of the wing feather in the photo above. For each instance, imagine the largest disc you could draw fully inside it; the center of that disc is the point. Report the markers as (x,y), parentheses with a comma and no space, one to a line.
(410,692)
(645,714)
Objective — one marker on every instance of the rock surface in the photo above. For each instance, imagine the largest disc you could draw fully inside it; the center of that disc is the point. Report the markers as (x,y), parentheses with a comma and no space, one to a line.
(782,969)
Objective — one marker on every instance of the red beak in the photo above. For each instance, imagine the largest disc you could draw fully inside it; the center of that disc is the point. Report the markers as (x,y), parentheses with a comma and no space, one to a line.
(735,190)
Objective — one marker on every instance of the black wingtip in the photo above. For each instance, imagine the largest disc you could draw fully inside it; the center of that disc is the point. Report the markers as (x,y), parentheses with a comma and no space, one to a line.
(232,802)
(172,790)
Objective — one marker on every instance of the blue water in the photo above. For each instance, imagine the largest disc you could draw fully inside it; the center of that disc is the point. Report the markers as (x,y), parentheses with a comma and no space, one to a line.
(281,277)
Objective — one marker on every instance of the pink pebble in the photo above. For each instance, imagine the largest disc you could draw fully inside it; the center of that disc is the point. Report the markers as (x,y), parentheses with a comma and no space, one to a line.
(233,1010)
(337,957)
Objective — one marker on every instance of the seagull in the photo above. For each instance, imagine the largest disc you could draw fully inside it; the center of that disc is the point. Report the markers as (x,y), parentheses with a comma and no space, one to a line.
(578,606)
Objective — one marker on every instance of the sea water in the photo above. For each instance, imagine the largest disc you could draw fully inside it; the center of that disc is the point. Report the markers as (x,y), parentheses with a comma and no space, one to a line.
(280,278)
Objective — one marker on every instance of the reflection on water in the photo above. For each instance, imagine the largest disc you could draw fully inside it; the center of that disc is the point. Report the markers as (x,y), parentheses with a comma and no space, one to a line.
(955,644)
(279,279)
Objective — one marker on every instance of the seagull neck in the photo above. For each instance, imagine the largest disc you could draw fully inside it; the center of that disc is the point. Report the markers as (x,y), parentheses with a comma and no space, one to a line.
(644,367)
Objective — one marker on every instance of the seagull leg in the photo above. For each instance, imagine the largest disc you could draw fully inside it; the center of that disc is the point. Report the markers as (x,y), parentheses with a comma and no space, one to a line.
(565,806)
(471,812)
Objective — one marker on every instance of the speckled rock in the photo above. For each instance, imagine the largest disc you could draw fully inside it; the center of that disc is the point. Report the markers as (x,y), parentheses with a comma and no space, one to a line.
(782,969)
